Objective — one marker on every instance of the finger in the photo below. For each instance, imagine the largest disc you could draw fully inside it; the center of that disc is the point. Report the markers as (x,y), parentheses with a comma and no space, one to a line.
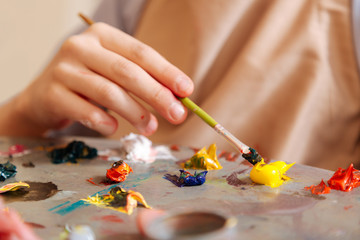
(109,95)
(134,79)
(144,56)
(73,107)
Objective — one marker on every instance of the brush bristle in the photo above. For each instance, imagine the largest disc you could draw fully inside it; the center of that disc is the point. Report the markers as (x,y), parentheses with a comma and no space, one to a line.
(252,157)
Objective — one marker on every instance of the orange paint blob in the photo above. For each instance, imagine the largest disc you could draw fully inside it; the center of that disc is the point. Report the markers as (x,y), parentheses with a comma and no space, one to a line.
(119,171)
(319,189)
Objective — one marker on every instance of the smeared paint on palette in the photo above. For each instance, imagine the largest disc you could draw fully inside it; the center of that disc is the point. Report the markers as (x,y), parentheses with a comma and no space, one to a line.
(37,191)
(108,218)
(118,199)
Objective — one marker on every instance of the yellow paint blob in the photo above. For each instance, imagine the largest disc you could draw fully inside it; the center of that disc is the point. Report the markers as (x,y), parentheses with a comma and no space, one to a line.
(272,174)
(118,199)
(204,159)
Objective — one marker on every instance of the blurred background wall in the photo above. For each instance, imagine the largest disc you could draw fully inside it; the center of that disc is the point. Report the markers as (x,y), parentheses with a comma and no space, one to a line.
(30,33)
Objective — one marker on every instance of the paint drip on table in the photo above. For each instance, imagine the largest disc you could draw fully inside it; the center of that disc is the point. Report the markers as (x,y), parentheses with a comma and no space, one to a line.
(187,179)
(138,148)
(119,199)
(343,179)
(204,159)
(73,151)
(272,174)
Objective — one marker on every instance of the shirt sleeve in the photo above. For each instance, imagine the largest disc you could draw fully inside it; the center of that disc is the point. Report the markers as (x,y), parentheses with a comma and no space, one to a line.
(123,14)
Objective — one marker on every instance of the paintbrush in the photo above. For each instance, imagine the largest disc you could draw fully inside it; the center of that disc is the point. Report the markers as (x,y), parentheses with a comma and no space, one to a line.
(248,153)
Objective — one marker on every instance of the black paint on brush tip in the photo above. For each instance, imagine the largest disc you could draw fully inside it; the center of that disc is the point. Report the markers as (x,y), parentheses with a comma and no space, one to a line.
(253,156)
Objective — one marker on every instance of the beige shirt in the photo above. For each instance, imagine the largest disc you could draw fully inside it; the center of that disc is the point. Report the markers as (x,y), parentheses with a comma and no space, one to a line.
(280,75)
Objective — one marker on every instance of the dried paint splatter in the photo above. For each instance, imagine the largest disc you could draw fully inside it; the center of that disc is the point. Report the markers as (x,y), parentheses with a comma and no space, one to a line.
(233,179)
(28,165)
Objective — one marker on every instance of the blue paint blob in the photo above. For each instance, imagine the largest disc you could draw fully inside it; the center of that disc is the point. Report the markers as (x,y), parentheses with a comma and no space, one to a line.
(187,179)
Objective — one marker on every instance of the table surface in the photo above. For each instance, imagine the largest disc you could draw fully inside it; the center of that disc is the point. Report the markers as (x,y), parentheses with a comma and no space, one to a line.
(286,212)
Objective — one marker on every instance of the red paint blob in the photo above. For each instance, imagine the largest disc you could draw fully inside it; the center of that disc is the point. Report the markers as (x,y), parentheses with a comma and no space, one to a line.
(17,148)
(14,149)
(345,179)
(319,189)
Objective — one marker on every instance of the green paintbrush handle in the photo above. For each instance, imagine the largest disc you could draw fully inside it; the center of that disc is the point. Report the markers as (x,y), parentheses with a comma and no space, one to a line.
(198,111)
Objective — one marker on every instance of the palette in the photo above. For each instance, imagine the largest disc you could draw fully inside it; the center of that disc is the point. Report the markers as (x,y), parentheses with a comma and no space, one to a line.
(256,211)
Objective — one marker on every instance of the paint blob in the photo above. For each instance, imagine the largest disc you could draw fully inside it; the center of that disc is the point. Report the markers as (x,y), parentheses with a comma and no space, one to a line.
(118,199)
(321,188)
(138,148)
(187,179)
(37,191)
(73,151)
(343,180)
(204,159)
(15,151)
(272,174)
(118,171)
(7,170)
(13,186)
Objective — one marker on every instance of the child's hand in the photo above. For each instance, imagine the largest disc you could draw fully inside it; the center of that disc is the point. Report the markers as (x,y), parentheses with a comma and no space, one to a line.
(108,67)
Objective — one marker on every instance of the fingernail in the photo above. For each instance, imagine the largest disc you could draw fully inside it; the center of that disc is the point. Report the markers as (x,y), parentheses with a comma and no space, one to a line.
(183,84)
(176,110)
(150,127)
